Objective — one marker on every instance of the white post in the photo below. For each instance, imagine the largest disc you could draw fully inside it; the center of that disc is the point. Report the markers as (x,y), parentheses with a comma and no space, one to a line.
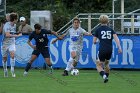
(113,14)
(122,14)
(132,23)
(89,23)
(0,2)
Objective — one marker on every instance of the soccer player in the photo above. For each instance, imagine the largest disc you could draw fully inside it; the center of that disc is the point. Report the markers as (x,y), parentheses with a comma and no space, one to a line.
(8,43)
(40,37)
(76,44)
(105,35)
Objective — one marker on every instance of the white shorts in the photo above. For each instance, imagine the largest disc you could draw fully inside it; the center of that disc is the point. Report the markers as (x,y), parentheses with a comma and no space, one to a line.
(6,49)
(77,49)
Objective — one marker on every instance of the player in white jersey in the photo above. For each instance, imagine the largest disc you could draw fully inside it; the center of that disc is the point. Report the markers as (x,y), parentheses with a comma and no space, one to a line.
(76,44)
(8,43)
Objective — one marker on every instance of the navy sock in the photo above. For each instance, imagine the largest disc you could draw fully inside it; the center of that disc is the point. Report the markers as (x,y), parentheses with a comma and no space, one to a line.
(102,73)
(50,65)
(107,74)
(28,66)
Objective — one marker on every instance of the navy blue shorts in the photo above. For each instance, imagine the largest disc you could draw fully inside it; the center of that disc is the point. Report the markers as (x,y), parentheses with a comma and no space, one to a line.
(45,52)
(104,55)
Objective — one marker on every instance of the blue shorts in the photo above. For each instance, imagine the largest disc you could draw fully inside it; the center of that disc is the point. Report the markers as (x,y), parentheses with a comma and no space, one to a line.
(45,52)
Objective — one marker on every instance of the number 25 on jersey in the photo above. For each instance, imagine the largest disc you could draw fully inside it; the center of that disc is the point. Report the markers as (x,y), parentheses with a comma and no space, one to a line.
(105,34)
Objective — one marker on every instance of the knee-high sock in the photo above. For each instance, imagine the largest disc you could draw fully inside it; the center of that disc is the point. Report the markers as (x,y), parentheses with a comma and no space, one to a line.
(12,62)
(4,65)
(70,65)
(28,66)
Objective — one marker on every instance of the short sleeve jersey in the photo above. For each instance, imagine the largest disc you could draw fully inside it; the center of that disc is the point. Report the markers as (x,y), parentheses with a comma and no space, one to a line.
(105,35)
(76,36)
(41,39)
(11,29)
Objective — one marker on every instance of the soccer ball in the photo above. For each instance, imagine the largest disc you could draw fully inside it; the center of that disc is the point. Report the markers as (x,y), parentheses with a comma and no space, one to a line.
(75,72)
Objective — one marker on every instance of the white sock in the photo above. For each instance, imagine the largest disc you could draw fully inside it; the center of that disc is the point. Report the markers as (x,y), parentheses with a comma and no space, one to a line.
(69,66)
(12,61)
(104,76)
(4,65)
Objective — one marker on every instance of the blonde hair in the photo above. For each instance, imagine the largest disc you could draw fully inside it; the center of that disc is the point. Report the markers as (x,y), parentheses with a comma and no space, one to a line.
(103,19)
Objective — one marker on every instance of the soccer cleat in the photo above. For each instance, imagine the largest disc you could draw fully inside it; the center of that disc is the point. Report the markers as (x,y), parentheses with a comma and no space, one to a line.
(5,73)
(13,75)
(105,78)
(25,73)
(65,73)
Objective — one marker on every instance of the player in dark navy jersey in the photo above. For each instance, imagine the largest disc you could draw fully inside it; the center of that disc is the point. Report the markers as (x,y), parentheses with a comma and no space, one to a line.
(41,46)
(105,35)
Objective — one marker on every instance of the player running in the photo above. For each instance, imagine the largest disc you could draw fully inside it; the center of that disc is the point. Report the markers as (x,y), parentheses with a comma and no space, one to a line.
(76,44)
(105,36)
(41,47)
(8,43)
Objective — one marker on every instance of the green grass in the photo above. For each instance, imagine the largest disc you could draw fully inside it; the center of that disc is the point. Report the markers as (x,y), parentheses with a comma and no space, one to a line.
(88,81)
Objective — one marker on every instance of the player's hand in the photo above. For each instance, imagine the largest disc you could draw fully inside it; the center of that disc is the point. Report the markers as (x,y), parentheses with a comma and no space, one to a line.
(60,38)
(54,41)
(89,34)
(20,34)
(34,47)
(119,50)
(94,42)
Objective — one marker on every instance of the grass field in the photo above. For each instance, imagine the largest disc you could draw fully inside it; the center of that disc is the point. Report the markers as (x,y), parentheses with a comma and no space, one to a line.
(88,81)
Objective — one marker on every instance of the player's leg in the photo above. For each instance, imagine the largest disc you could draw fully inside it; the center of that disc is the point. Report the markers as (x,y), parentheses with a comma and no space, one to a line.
(70,66)
(35,54)
(106,65)
(4,60)
(45,53)
(12,62)
(107,68)
(76,59)
(48,62)
(99,66)
(12,50)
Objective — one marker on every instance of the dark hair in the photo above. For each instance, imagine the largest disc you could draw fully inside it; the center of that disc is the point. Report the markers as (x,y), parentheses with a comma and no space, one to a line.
(13,16)
(37,26)
(76,18)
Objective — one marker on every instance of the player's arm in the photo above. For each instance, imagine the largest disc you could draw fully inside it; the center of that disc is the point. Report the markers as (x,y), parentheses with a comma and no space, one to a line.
(87,33)
(30,44)
(55,33)
(8,34)
(95,40)
(95,37)
(29,41)
(61,37)
(118,42)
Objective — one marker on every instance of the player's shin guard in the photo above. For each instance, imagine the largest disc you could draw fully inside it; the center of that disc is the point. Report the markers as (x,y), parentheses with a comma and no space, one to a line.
(28,66)
(107,74)
(12,62)
(4,65)
(102,73)
(5,69)
(70,65)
